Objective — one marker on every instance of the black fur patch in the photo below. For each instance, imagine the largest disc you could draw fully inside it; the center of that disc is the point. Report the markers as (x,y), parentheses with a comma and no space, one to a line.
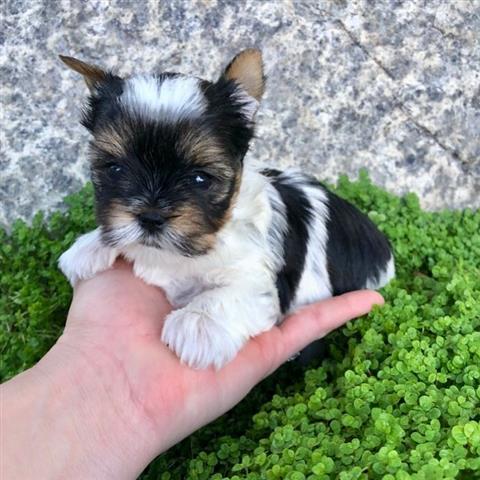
(298,210)
(356,249)
(225,114)
(101,106)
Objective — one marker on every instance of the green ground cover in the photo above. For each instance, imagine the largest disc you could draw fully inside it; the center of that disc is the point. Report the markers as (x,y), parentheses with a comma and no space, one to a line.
(398,396)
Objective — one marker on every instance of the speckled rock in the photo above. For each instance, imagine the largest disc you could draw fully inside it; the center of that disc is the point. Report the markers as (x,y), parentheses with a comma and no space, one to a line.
(393,86)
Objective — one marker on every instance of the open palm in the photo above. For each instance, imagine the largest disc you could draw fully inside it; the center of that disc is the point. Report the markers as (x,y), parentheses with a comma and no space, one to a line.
(114,325)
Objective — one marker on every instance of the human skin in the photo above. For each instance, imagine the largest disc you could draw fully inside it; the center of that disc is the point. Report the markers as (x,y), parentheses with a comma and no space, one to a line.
(109,396)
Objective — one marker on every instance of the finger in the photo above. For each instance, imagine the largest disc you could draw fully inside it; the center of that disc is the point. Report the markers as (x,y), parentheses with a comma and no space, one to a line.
(118,296)
(315,321)
(267,351)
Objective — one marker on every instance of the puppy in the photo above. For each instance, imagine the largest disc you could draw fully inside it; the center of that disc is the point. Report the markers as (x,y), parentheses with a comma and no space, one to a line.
(234,247)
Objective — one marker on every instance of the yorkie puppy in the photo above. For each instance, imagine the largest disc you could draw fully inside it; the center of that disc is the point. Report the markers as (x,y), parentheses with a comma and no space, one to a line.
(234,247)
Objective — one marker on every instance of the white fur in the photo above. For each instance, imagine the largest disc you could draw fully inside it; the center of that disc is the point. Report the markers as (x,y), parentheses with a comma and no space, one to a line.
(278,227)
(315,282)
(86,257)
(172,99)
(126,234)
(250,104)
(384,277)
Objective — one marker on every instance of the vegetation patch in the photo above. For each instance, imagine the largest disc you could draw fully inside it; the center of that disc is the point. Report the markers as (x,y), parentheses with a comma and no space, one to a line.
(398,396)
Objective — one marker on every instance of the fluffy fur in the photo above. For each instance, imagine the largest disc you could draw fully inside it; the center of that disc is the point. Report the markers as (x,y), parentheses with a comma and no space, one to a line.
(234,247)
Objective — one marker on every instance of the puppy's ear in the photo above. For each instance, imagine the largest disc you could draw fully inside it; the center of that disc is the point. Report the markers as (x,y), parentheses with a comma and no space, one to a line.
(247,70)
(92,74)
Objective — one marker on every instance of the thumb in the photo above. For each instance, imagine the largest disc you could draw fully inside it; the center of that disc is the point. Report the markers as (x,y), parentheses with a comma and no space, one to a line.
(315,321)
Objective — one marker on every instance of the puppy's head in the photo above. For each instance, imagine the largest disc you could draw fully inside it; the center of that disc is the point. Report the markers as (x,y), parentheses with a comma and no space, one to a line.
(167,151)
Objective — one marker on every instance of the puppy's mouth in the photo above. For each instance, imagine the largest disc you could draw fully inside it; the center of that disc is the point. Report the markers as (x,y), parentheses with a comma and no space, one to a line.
(164,240)
(121,235)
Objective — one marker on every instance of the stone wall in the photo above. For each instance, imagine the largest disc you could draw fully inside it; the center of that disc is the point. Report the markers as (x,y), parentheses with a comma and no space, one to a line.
(393,86)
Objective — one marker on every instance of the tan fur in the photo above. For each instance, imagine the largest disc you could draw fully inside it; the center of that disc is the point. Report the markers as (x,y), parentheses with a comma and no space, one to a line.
(205,152)
(247,69)
(91,73)
(203,149)
(119,217)
(112,141)
(188,222)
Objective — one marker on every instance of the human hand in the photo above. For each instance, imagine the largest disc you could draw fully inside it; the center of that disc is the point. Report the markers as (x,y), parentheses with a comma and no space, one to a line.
(113,396)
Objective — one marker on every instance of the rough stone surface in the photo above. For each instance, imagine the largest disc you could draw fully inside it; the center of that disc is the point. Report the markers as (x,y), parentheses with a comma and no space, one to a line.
(393,86)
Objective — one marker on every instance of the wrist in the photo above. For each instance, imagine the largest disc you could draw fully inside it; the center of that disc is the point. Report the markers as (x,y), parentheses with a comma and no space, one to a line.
(70,416)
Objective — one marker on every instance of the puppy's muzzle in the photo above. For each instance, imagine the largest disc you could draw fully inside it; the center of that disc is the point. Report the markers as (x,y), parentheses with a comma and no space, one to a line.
(151,220)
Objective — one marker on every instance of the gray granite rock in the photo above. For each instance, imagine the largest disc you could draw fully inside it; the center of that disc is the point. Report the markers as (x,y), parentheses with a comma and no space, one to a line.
(393,86)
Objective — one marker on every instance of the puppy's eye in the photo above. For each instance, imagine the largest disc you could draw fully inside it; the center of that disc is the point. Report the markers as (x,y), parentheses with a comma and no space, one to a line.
(201,180)
(113,168)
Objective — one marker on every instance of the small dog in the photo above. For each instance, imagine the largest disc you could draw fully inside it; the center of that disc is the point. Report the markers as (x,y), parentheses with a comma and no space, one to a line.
(234,247)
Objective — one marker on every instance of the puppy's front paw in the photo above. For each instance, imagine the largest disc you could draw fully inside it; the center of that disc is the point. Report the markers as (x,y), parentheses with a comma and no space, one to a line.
(86,257)
(198,339)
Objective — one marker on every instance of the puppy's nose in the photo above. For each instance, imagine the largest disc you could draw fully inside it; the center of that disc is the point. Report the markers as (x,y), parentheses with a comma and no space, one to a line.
(151,219)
